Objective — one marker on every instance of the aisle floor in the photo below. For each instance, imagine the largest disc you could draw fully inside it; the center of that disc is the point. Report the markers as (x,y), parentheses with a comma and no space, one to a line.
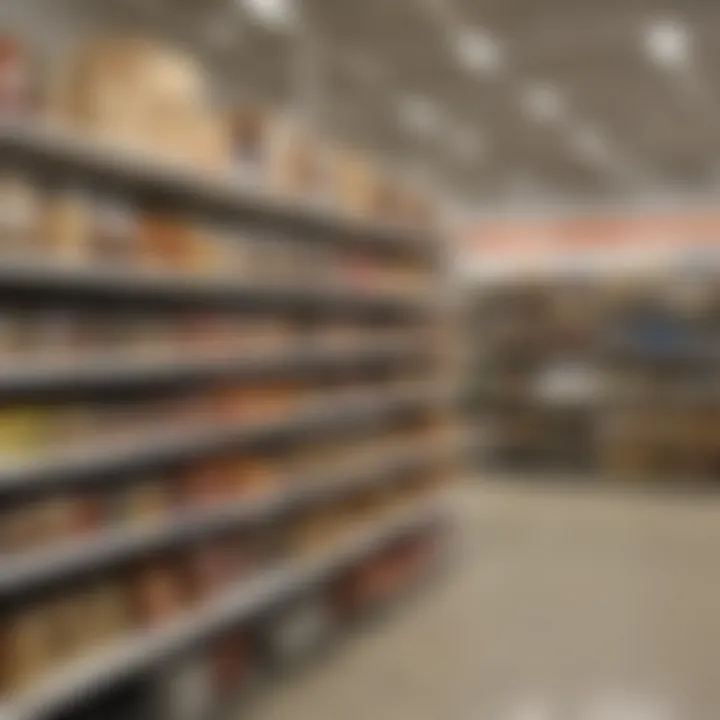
(561,605)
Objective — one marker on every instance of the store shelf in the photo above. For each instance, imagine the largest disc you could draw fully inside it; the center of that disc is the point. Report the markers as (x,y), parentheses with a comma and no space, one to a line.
(37,281)
(144,650)
(113,371)
(60,153)
(35,571)
(96,465)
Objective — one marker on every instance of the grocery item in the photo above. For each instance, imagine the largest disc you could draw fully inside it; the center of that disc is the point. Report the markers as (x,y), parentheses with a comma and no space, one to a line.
(115,239)
(26,649)
(157,593)
(20,214)
(25,433)
(250,143)
(16,82)
(66,228)
(352,181)
(142,95)
(147,502)
(299,163)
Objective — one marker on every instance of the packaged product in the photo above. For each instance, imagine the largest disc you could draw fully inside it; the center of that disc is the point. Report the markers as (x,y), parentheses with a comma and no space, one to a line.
(67,226)
(115,237)
(299,165)
(157,593)
(209,570)
(131,91)
(352,181)
(146,502)
(204,484)
(27,646)
(16,81)
(250,130)
(20,216)
(25,433)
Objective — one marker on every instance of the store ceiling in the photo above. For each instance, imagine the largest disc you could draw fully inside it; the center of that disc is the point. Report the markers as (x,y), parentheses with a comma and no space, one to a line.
(500,102)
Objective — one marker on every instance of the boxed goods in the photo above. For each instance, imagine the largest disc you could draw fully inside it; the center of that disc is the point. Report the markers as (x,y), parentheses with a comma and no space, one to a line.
(299,163)
(352,182)
(20,216)
(139,94)
(277,152)
(16,83)
(26,647)
(156,594)
(66,226)
(26,433)
(250,130)
(147,502)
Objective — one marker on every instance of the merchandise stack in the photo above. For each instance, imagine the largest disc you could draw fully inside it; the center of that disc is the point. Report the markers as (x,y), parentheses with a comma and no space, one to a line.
(616,375)
(223,428)
(662,356)
(535,360)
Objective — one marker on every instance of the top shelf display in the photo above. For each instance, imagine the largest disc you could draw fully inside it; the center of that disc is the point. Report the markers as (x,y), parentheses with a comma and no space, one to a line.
(173,183)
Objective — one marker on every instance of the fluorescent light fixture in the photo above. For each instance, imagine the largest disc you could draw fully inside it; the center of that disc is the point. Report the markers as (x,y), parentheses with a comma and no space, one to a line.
(543,101)
(667,42)
(272,13)
(419,115)
(479,51)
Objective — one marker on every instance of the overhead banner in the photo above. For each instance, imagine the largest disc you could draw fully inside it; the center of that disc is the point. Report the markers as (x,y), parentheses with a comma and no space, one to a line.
(573,244)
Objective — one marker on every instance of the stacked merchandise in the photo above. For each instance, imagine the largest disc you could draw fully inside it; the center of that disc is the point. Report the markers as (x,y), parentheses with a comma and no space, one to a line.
(216,380)
(648,409)
(534,375)
(661,353)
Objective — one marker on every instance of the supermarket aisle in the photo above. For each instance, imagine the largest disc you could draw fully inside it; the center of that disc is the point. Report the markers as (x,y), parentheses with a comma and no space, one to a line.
(564,606)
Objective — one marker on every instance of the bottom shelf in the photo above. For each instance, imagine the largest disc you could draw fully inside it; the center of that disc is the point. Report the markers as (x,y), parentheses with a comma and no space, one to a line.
(85,679)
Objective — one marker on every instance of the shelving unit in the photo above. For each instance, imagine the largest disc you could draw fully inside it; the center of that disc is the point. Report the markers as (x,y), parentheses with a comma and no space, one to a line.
(389,379)
(144,651)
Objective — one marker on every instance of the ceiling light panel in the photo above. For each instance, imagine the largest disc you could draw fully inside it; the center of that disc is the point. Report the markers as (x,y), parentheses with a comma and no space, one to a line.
(667,43)
(479,51)
(275,14)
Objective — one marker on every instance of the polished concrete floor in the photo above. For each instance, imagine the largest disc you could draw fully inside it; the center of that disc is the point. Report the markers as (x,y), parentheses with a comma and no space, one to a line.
(562,605)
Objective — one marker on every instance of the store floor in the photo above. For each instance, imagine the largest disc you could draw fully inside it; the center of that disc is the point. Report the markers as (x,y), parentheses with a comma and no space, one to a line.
(562,605)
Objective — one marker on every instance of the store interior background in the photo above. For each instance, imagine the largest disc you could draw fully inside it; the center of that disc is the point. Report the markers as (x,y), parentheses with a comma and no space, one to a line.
(574,150)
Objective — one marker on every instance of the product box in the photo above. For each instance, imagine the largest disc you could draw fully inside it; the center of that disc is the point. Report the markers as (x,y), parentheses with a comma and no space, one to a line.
(299,163)
(16,80)
(157,593)
(20,216)
(26,650)
(352,181)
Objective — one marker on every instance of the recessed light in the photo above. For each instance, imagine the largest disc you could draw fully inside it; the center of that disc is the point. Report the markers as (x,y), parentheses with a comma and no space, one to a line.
(272,13)
(667,42)
(419,114)
(479,50)
(543,101)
